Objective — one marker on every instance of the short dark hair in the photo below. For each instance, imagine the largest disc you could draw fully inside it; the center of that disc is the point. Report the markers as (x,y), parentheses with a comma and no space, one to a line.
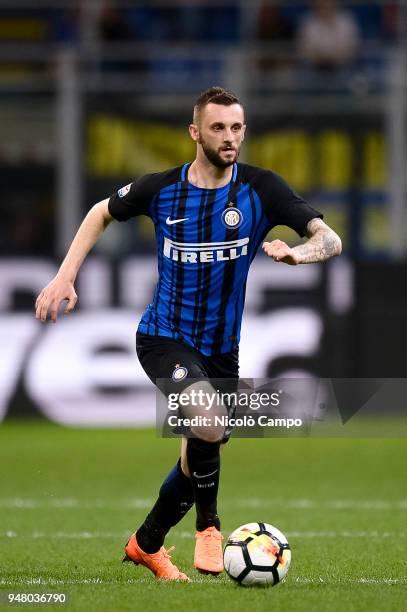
(214,95)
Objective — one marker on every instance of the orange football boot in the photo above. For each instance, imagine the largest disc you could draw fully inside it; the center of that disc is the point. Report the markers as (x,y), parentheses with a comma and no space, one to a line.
(159,563)
(208,558)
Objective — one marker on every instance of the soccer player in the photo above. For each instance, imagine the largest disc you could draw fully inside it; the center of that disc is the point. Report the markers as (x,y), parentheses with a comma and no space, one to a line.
(210,217)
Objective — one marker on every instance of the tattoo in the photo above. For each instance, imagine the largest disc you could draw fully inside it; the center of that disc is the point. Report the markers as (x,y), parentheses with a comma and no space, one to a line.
(322,243)
(313,226)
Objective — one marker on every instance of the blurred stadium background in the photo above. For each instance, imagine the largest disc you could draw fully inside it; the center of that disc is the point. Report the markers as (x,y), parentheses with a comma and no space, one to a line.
(95,93)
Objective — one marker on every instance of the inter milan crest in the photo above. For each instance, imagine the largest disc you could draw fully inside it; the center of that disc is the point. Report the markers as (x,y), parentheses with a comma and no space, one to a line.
(179,373)
(232,218)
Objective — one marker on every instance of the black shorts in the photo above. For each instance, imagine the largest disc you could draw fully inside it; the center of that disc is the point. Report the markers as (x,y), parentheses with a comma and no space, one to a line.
(173,365)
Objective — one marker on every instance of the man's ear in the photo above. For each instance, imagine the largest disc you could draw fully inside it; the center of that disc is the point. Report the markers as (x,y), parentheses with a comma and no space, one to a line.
(244,131)
(194,132)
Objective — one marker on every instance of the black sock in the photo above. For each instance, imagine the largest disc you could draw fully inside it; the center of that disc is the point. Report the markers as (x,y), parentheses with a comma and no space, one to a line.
(204,466)
(175,499)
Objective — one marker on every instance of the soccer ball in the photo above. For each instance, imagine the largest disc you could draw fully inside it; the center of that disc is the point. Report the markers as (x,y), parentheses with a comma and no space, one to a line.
(257,554)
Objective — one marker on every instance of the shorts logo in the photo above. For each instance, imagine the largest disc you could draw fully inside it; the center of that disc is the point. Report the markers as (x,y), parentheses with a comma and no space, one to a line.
(179,373)
(232,217)
(124,190)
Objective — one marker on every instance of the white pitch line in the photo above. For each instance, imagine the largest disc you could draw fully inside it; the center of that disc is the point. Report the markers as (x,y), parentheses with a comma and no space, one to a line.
(30,503)
(336,504)
(344,581)
(61,535)
(142,503)
(88,535)
(346,534)
(96,580)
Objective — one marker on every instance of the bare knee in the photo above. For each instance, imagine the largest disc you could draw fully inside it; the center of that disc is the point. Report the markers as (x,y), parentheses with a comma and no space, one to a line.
(213,435)
(205,409)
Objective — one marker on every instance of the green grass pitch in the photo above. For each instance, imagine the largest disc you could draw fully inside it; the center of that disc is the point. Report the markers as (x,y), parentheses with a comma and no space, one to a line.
(69,498)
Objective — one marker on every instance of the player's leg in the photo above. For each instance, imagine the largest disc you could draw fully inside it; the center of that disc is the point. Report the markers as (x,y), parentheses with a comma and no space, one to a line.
(202,460)
(208,557)
(199,484)
(175,496)
(201,452)
(161,359)
(179,491)
(146,544)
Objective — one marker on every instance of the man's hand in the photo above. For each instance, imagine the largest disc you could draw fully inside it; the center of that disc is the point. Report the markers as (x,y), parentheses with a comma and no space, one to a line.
(51,297)
(322,244)
(280,251)
(61,287)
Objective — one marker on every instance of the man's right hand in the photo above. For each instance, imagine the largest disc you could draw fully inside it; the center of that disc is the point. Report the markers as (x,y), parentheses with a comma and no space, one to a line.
(51,297)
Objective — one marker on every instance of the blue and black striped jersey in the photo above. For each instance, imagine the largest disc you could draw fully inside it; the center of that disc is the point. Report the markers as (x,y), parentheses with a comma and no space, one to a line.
(206,241)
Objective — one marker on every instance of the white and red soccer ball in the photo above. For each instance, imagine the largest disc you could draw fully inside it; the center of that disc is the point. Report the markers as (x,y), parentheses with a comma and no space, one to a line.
(257,554)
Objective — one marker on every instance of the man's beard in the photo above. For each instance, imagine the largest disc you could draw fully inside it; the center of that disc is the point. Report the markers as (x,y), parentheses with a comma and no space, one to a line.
(215,158)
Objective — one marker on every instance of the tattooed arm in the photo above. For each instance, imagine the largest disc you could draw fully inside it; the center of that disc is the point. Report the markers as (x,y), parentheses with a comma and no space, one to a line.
(322,244)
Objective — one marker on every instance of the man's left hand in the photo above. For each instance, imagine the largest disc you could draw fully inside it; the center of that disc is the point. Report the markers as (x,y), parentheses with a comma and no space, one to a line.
(280,251)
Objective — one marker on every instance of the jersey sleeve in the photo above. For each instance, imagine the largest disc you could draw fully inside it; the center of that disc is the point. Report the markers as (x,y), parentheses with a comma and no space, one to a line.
(283,206)
(134,199)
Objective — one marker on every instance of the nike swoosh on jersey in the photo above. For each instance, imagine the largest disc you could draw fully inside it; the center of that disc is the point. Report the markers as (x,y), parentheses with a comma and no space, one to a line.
(204,475)
(172,221)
